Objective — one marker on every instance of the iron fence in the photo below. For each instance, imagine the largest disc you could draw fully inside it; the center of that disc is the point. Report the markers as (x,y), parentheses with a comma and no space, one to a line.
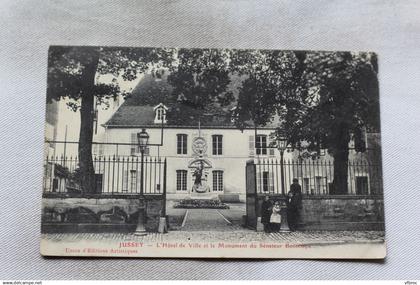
(316,176)
(113,175)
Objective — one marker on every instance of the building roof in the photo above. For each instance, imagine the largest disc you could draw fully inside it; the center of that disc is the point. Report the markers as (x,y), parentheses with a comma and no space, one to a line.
(138,109)
(132,116)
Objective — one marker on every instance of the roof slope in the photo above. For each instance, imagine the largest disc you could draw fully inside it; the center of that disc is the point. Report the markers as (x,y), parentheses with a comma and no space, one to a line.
(137,110)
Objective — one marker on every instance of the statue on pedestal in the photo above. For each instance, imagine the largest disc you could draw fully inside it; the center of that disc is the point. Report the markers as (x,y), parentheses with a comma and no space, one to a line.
(198,173)
(200,185)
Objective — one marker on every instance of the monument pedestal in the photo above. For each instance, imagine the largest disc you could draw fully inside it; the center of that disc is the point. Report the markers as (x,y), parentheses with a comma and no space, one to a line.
(204,196)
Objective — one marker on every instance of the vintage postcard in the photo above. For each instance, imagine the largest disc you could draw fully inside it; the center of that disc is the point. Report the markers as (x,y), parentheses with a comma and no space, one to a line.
(212,153)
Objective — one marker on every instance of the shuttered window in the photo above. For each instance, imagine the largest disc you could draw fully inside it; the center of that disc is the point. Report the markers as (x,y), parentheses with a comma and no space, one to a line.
(265,179)
(133,181)
(217,143)
(218,181)
(130,181)
(251,146)
(134,147)
(125,181)
(181,143)
(270,149)
(181,180)
(261,144)
(265,182)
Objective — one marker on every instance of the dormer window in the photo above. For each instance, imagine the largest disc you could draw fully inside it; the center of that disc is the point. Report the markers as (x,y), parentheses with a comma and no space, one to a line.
(160,114)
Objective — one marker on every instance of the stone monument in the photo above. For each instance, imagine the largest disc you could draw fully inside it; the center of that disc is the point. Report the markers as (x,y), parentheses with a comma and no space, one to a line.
(201,195)
(200,169)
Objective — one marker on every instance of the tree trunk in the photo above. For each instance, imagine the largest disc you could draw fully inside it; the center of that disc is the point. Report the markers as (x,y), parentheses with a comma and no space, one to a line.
(87,170)
(340,184)
(341,159)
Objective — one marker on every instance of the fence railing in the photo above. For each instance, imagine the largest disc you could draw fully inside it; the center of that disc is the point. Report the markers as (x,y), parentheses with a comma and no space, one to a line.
(316,176)
(113,175)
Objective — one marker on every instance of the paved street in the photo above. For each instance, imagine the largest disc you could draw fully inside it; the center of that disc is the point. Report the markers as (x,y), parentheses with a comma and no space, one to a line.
(202,225)
(309,237)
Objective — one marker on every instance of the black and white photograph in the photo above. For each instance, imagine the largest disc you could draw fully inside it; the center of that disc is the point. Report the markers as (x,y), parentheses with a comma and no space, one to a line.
(238,153)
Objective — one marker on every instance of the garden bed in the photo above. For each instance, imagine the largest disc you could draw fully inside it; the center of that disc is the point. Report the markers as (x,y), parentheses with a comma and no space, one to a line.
(200,203)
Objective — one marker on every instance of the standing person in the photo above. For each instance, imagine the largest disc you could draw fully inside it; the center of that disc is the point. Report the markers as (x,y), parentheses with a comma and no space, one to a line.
(275,218)
(294,204)
(266,207)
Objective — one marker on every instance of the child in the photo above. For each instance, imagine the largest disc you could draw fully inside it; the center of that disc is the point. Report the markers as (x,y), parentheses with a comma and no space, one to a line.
(266,211)
(275,218)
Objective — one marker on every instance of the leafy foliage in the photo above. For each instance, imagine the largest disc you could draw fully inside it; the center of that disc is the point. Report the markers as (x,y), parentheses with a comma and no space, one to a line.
(312,93)
(323,100)
(272,82)
(66,66)
(199,79)
(340,93)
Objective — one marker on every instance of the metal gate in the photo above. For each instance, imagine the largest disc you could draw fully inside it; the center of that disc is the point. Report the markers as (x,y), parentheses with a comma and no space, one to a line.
(114,175)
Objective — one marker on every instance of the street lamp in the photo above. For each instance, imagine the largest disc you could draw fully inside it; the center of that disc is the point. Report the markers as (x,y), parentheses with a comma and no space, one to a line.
(142,139)
(282,146)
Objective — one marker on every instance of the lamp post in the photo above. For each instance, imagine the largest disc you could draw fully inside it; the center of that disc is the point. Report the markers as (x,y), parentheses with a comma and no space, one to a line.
(282,146)
(142,139)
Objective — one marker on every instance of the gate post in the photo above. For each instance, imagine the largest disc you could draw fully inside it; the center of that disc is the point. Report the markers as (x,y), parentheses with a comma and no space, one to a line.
(141,229)
(251,195)
(284,225)
(163,228)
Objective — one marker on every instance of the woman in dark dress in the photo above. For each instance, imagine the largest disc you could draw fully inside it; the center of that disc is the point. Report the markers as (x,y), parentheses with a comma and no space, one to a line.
(266,213)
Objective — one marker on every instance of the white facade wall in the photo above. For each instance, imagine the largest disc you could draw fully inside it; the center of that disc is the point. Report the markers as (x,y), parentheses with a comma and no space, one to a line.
(237,149)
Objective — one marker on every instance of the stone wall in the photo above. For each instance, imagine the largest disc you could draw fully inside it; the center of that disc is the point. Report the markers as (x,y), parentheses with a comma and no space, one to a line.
(340,212)
(99,214)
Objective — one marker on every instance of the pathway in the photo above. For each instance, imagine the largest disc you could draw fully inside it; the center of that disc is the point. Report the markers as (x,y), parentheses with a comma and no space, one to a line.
(207,220)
